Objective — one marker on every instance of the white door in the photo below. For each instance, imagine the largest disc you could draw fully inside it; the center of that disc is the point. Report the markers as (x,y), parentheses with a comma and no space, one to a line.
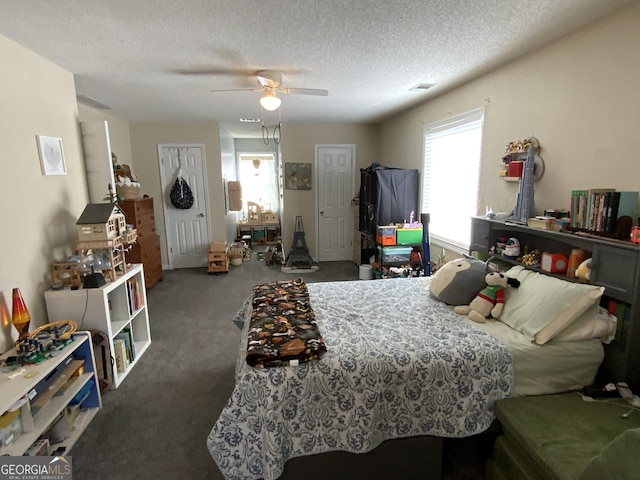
(187,230)
(334,187)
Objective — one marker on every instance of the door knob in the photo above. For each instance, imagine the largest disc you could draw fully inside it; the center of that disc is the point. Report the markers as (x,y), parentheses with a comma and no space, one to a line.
(321,212)
(201,214)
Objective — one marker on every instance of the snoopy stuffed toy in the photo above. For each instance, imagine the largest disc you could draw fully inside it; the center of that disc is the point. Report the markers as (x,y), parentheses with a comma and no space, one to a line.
(490,300)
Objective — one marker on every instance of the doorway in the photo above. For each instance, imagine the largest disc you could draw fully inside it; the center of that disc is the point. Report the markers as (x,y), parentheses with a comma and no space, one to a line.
(186,230)
(335,188)
(258,174)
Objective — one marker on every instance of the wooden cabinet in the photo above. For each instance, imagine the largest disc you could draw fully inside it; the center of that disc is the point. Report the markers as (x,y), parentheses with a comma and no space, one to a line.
(118,308)
(34,397)
(614,266)
(146,250)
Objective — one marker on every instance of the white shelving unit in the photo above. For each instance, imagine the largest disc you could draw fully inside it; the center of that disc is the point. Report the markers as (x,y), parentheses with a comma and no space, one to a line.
(112,308)
(27,384)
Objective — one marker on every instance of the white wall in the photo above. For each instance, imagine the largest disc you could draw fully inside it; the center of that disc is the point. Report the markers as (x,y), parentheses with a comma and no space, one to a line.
(145,137)
(38,212)
(229,172)
(578,96)
(298,145)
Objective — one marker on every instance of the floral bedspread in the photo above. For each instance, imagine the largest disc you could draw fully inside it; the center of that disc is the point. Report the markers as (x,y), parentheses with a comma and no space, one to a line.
(398,364)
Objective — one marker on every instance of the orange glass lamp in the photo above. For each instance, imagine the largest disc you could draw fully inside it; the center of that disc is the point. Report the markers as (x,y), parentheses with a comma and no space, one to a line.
(20,315)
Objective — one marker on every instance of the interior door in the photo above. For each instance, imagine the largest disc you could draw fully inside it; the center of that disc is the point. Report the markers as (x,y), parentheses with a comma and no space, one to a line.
(334,184)
(187,230)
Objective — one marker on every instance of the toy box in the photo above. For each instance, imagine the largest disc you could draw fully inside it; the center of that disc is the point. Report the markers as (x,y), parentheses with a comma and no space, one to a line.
(395,253)
(409,235)
(386,235)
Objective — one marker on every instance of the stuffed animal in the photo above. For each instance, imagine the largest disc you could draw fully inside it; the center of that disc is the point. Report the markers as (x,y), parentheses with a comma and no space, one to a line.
(489,302)
(584,270)
(458,281)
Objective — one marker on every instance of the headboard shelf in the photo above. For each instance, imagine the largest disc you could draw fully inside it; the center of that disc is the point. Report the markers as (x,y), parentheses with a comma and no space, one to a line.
(614,266)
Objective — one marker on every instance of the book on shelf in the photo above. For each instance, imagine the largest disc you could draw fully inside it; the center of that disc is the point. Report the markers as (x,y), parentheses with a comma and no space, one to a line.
(134,295)
(120,352)
(622,312)
(598,209)
(130,347)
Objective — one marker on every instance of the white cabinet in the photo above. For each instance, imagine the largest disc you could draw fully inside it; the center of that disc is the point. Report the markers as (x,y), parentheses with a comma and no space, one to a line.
(97,159)
(61,391)
(117,308)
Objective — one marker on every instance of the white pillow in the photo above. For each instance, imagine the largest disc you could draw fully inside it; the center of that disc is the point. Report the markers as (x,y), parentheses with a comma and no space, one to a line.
(543,301)
(602,327)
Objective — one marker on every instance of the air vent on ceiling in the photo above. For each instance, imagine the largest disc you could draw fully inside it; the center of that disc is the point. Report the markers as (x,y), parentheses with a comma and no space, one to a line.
(91,102)
(422,86)
(249,120)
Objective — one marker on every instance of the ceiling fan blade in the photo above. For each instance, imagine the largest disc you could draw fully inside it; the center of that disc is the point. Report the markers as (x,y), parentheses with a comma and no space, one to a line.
(244,72)
(305,91)
(237,90)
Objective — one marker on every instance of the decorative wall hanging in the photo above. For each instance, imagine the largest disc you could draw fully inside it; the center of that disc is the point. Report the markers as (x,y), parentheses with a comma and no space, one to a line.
(51,155)
(297,176)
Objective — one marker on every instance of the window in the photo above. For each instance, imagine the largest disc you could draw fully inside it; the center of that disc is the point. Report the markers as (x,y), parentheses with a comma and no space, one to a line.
(452,150)
(259,180)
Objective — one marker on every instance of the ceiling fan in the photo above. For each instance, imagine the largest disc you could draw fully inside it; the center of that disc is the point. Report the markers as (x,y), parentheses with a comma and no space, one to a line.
(270,81)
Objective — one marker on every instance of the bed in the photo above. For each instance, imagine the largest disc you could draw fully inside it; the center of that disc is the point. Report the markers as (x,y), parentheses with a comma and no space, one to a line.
(398,364)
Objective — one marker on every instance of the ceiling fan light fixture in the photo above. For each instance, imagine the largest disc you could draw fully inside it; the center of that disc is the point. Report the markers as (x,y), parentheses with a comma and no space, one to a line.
(270,102)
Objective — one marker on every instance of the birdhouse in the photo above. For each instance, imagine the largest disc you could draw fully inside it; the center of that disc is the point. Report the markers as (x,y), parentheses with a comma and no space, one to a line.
(101,221)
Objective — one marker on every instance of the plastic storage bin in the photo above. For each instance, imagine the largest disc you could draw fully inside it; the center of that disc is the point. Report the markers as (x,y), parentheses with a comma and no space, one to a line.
(395,254)
(386,235)
(409,235)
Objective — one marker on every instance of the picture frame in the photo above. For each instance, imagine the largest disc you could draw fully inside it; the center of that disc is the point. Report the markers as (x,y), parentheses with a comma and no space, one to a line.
(297,176)
(51,155)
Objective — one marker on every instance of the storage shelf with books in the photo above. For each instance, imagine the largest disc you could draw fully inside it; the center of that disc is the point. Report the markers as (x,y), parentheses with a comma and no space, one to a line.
(117,308)
(604,211)
(59,394)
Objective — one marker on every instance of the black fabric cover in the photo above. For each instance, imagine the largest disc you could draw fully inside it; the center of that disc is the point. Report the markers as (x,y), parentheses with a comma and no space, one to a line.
(387,195)
(181,195)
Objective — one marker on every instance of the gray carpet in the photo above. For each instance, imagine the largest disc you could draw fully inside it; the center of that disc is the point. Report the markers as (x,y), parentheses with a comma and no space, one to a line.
(155,425)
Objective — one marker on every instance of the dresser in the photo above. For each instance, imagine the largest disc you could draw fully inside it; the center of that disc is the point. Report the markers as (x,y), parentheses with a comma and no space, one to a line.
(146,250)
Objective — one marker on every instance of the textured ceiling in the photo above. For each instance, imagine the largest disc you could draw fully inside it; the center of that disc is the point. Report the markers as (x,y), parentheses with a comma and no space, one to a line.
(158,60)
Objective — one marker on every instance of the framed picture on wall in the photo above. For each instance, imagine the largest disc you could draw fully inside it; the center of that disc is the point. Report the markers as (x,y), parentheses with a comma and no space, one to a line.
(51,155)
(297,176)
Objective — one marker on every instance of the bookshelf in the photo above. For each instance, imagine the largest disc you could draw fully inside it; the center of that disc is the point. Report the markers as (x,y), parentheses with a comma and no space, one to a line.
(45,394)
(118,308)
(600,210)
(615,266)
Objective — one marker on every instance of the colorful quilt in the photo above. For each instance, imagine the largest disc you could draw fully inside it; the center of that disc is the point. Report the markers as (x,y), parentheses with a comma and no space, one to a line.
(283,328)
(398,364)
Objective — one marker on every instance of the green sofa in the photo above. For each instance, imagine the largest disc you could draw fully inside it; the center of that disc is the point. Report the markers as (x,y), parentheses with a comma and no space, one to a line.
(566,438)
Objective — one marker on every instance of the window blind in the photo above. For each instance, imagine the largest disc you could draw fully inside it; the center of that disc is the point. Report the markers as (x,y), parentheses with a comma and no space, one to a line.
(451,172)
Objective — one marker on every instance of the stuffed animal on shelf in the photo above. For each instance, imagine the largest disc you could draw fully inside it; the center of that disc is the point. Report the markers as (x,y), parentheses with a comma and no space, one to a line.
(584,270)
(489,302)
